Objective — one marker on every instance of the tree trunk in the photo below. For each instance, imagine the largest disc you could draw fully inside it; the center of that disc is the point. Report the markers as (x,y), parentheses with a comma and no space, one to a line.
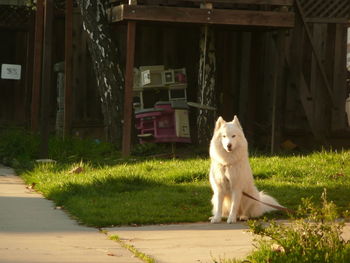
(104,54)
(206,85)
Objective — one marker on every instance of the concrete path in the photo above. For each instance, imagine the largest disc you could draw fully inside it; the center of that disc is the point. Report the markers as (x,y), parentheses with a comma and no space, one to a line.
(33,231)
(186,243)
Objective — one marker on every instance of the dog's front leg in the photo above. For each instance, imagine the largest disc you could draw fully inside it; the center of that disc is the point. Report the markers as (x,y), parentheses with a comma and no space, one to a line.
(217,201)
(236,200)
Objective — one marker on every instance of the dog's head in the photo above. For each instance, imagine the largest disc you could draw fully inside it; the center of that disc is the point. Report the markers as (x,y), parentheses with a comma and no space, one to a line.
(230,134)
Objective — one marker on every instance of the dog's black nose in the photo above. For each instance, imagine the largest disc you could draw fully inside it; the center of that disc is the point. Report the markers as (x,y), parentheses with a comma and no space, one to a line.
(229,146)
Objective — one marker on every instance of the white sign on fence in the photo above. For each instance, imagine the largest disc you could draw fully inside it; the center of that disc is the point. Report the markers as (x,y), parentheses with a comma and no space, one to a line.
(11,71)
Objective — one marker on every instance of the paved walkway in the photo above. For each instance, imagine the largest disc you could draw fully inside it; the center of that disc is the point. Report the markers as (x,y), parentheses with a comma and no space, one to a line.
(32,231)
(186,243)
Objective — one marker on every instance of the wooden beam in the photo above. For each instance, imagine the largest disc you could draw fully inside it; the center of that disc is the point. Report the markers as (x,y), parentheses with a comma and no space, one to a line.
(68,68)
(202,16)
(37,64)
(331,20)
(246,2)
(46,79)
(130,55)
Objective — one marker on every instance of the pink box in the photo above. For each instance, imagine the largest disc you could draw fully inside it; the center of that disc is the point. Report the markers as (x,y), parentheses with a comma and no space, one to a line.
(158,124)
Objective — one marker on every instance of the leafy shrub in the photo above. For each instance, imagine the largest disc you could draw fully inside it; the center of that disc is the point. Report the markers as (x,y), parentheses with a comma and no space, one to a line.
(313,236)
(150,149)
(75,149)
(18,147)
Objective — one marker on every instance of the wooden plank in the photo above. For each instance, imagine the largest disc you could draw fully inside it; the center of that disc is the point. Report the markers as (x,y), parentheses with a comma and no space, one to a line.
(245,2)
(244,76)
(68,50)
(46,79)
(29,71)
(318,60)
(248,2)
(37,64)
(339,78)
(319,95)
(14,2)
(253,84)
(126,146)
(275,85)
(330,20)
(203,16)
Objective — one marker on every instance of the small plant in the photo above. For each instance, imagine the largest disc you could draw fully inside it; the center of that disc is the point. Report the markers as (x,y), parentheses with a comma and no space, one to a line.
(18,147)
(72,149)
(314,235)
(132,249)
(149,149)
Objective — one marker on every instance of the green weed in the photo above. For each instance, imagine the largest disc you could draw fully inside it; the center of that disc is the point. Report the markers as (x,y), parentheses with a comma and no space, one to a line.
(18,147)
(314,235)
(132,249)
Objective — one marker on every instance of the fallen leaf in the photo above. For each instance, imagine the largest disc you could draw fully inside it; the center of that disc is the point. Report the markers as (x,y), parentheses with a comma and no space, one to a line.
(76,170)
(277,248)
(337,175)
(31,187)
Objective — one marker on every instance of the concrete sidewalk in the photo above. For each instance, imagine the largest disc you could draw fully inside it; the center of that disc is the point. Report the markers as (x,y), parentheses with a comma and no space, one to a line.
(33,231)
(186,243)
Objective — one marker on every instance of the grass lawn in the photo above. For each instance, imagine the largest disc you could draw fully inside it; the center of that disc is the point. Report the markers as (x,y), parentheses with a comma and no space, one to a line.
(167,191)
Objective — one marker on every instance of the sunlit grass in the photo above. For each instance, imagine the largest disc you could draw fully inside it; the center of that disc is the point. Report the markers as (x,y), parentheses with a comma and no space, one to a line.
(168,191)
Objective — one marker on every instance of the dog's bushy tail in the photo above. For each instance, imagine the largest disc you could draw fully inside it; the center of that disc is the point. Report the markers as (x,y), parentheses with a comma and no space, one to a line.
(260,208)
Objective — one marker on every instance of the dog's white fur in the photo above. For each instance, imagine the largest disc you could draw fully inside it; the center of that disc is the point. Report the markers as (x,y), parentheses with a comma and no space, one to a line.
(230,175)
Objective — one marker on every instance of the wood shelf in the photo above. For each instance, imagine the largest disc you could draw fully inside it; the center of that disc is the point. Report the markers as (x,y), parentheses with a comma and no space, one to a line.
(279,19)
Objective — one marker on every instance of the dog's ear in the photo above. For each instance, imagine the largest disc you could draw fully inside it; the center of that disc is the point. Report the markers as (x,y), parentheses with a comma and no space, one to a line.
(237,123)
(220,121)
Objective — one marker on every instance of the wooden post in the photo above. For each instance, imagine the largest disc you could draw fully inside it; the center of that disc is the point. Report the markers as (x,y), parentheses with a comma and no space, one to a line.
(130,54)
(68,68)
(46,79)
(276,91)
(37,65)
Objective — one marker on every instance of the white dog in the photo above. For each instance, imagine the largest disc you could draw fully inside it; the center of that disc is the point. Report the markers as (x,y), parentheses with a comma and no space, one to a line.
(231,175)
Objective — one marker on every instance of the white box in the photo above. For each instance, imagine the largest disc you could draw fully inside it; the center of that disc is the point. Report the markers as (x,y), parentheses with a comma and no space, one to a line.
(182,124)
(168,77)
(11,71)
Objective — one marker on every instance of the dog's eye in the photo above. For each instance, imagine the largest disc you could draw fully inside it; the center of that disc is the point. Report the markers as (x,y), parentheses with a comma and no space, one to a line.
(223,136)
(233,136)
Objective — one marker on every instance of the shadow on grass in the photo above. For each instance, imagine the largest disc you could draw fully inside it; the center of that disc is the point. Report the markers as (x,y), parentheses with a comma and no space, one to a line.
(137,200)
(134,200)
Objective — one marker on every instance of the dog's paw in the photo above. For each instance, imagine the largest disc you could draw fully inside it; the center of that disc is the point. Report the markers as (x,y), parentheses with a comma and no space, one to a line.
(243,218)
(231,220)
(214,219)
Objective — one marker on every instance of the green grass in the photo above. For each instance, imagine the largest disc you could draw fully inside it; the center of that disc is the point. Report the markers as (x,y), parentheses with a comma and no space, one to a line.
(167,191)
(146,190)
(291,178)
